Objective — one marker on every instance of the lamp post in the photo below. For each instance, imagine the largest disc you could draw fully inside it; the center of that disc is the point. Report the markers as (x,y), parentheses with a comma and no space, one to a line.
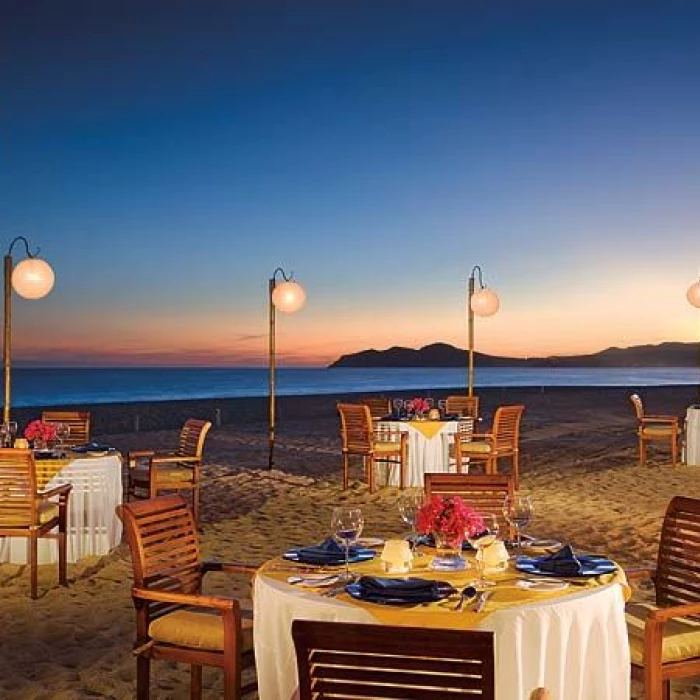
(32,278)
(480,302)
(288,296)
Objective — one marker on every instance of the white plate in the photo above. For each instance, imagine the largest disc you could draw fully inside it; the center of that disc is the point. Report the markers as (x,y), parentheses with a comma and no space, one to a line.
(97,453)
(542,544)
(541,586)
(369,542)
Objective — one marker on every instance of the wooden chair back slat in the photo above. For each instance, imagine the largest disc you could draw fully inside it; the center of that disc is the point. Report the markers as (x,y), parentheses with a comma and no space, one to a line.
(506,427)
(192,436)
(18,488)
(348,660)
(678,565)
(164,546)
(467,406)
(356,428)
(77,421)
(638,406)
(379,406)
(483,492)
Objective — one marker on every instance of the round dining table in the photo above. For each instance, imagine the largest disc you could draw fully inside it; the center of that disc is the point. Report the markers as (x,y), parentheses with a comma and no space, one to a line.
(572,641)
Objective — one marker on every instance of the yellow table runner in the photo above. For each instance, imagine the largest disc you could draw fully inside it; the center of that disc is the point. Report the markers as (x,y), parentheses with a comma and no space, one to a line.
(504,594)
(429,428)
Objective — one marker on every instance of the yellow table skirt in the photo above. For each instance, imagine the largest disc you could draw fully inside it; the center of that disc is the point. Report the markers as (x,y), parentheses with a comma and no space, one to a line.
(429,428)
(440,614)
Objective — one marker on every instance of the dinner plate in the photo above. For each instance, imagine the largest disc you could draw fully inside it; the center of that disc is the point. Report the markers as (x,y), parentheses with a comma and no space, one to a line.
(444,590)
(541,544)
(541,586)
(591,565)
(97,453)
(359,555)
(370,541)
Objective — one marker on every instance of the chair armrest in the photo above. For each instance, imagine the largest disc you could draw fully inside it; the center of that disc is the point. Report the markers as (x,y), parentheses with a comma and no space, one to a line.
(136,454)
(172,459)
(661,615)
(64,489)
(195,599)
(660,419)
(230,567)
(640,574)
(482,436)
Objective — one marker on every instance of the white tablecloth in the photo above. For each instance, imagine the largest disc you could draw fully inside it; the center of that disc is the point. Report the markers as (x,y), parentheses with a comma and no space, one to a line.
(93,526)
(425,454)
(692,436)
(575,645)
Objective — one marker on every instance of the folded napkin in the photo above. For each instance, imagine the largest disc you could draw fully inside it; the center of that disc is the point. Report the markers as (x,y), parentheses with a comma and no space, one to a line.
(91,447)
(409,590)
(328,552)
(562,562)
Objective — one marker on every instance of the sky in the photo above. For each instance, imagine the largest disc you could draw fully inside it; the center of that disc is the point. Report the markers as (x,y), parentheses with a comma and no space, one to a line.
(166,157)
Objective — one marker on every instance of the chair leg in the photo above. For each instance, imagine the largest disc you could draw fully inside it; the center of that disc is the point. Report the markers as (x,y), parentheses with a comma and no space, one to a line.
(143,678)
(516,468)
(674,450)
(195,682)
(642,453)
(195,505)
(62,572)
(370,473)
(345,471)
(33,568)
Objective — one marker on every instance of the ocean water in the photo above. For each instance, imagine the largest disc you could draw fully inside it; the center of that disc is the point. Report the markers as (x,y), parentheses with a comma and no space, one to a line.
(58,386)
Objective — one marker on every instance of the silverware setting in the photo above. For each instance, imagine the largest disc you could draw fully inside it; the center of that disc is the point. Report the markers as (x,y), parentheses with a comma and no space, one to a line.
(468,592)
(481,600)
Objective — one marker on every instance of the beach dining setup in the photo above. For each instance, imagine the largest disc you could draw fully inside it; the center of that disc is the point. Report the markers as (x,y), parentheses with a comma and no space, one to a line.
(430,576)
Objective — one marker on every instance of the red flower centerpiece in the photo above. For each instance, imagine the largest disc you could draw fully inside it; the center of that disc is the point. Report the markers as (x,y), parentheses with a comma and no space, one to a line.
(450,520)
(419,407)
(40,432)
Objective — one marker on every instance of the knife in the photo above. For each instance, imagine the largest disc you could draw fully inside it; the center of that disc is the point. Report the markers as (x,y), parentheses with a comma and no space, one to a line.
(481,601)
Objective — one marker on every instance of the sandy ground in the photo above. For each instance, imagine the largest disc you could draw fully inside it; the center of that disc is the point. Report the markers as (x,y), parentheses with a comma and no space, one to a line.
(579,465)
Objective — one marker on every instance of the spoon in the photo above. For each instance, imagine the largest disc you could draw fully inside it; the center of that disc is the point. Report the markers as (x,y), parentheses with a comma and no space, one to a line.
(468,592)
(313,580)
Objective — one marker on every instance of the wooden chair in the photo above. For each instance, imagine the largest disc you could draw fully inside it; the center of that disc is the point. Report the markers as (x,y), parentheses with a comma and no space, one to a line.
(379,406)
(27,512)
(152,472)
(77,421)
(655,429)
(383,444)
(484,492)
(502,441)
(463,406)
(665,637)
(465,431)
(349,660)
(174,620)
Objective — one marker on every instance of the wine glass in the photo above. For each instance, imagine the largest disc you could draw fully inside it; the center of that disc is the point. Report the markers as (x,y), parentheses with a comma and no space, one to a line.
(442,406)
(12,430)
(517,510)
(4,434)
(347,524)
(62,432)
(398,407)
(480,539)
(409,503)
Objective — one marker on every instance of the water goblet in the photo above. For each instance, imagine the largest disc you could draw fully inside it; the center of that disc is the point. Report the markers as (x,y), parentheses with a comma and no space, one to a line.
(347,524)
(480,539)
(62,432)
(12,429)
(398,407)
(409,503)
(517,510)
(4,434)
(442,406)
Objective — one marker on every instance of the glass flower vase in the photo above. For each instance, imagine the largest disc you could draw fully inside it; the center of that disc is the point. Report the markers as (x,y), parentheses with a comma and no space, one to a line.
(448,552)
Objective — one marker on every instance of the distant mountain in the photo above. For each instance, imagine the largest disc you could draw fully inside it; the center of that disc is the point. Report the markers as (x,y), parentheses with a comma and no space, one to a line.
(444,355)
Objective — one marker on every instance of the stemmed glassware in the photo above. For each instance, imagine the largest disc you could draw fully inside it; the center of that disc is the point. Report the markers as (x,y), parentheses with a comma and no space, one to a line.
(409,503)
(347,524)
(62,432)
(517,510)
(8,432)
(442,406)
(480,540)
(398,407)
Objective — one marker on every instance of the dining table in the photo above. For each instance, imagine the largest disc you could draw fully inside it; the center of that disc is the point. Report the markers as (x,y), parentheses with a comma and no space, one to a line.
(572,640)
(692,436)
(428,447)
(93,527)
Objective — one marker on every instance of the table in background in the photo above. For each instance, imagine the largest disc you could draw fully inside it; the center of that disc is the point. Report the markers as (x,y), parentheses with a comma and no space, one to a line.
(692,436)
(428,444)
(574,644)
(93,526)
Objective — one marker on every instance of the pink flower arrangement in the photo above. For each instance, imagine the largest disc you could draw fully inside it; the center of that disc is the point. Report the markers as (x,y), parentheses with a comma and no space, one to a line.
(451,517)
(418,406)
(40,430)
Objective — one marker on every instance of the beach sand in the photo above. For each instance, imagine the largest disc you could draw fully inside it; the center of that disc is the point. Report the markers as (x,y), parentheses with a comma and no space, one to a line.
(579,465)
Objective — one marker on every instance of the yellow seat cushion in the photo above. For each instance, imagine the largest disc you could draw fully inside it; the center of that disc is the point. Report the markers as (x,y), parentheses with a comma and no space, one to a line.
(476,448)
(169,473)
(47,511)
(385,447)
(681,635)
(197,630)
(660,431)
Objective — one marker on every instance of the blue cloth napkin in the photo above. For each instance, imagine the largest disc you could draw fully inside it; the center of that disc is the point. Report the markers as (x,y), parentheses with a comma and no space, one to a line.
(411,590)
(91,447)
(328,552)
(563,562)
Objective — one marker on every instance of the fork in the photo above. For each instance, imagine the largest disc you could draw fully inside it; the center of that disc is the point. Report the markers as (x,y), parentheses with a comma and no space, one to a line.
(468,592)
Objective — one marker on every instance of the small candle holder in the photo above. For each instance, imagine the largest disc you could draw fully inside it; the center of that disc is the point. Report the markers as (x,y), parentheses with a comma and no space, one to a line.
(396,557)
